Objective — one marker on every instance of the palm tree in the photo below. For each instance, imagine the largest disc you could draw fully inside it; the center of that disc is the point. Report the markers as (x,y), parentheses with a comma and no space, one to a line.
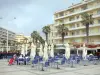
(62,30)
(4,42)
(87,20)
(25,40)
(35,36)
(30,43)
(46,30)
(41,40)
(14,43)
(9,42)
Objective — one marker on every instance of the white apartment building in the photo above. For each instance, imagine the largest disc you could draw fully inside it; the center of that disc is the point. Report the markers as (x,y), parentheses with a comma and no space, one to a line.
(3,35)
(71,18)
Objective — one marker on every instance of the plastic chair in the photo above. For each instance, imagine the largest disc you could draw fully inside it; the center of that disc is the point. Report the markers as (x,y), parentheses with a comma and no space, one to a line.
(20,60)
(63,61)
(27,60)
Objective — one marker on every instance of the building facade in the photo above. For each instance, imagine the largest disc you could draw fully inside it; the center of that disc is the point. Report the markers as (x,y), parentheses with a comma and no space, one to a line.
(22,39)
(50,35)
(71,17)
(3,36)
(7,39)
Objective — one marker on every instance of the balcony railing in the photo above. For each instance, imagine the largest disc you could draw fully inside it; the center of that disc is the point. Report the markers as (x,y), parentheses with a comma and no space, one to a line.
(80,35)
(96,15)
(77,20)
(89,9)
(82,27)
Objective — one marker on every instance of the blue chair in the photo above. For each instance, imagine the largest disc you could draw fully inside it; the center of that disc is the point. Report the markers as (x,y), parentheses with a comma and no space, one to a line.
(47,64)
(21,60)
(27,60)
(35,61)
(63,60)
(51,59)
(40,59)
(90,58)
(77,59)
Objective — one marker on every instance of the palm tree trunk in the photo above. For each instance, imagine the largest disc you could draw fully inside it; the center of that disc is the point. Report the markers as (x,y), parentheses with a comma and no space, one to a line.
(47,38)
(87,32)
(62,38)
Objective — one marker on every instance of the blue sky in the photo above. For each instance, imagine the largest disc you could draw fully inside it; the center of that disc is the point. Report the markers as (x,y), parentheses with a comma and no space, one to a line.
(30,14)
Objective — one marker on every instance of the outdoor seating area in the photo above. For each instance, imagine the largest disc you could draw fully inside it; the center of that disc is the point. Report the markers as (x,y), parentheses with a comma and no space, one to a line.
(44,61)
(56,62)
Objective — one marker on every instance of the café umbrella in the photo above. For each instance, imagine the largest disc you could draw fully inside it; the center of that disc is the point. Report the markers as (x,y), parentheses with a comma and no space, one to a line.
(41,52)
(52,50)
(45,55)
(33,50)
(26,48)
(84,51)
(67,51)
(23,50)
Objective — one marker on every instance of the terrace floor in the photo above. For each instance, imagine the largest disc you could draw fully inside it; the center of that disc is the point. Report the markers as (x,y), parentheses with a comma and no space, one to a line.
(64,70)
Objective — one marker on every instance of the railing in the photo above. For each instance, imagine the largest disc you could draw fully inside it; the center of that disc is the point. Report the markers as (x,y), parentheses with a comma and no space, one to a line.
(89,9)
(80,35)
(82,27)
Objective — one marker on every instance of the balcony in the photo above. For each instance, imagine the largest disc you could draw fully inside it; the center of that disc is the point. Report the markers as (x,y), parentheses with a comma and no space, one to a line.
(83,35)
(69,22)
(77,20)
(80,35)
(96,16)
(89,9)
(83,27)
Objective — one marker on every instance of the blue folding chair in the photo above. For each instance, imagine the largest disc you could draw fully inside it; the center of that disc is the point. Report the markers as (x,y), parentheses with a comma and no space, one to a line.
(27,60)
(63,61)
(35,61)
(21,61)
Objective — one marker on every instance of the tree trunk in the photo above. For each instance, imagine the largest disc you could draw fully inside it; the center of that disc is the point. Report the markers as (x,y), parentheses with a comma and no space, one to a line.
(87,33)
(47,38)
(36,42)
(62,38)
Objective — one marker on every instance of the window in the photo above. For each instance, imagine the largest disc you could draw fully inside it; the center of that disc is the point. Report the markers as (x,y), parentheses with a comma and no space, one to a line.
(77,25)
(66,33)
(56,16)
(71,18)
(84,7)
(98,2)
(83,32)
(98,21)
(73,26)
(72,10)
(52,34)
(77,17)
(77,32)
(52,40)
(73,33)
(61,21)
(98,12)
(61,14)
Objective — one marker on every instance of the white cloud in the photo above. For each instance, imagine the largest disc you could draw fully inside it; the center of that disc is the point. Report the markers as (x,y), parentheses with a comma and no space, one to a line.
(30,14)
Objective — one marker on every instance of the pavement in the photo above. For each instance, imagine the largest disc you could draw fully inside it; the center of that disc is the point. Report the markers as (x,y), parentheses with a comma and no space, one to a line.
(91,69)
